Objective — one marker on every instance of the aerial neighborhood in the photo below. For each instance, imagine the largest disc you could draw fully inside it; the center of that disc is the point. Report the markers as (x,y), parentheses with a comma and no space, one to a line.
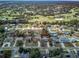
(39,30)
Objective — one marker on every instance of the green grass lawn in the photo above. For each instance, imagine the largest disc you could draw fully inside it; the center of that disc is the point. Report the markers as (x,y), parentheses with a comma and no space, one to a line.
(40,18)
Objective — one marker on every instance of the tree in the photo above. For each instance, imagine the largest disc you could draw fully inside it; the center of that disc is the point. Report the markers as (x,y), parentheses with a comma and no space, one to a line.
(23,50)
(20,49)
(55,52)
(19,43)
(7,53)
(72,32)
(1,29)
(27,50)
(35,53)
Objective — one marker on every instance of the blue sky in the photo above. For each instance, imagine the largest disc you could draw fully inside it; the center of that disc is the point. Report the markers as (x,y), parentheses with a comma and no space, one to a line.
(39,0)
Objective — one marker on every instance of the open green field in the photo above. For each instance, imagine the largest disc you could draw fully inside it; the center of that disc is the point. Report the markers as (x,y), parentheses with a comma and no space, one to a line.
(41,18)
(11,14)
(64,17)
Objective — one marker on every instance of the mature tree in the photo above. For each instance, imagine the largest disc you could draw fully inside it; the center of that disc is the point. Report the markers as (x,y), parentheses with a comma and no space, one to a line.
(35,53)
(1,29)
(55,52)
(19,43)
(20,49)
(7,53)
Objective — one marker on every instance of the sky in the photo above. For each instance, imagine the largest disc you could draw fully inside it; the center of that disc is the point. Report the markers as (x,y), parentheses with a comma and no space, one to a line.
(39,0)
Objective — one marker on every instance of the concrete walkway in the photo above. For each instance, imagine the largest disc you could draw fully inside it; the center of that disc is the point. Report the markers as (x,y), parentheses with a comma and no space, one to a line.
(62,44)
(39,44)
(48,44)
(24,45)
(15,43)
(74,44)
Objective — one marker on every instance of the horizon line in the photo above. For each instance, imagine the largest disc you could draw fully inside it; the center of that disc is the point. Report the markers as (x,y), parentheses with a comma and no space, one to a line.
(43,0)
